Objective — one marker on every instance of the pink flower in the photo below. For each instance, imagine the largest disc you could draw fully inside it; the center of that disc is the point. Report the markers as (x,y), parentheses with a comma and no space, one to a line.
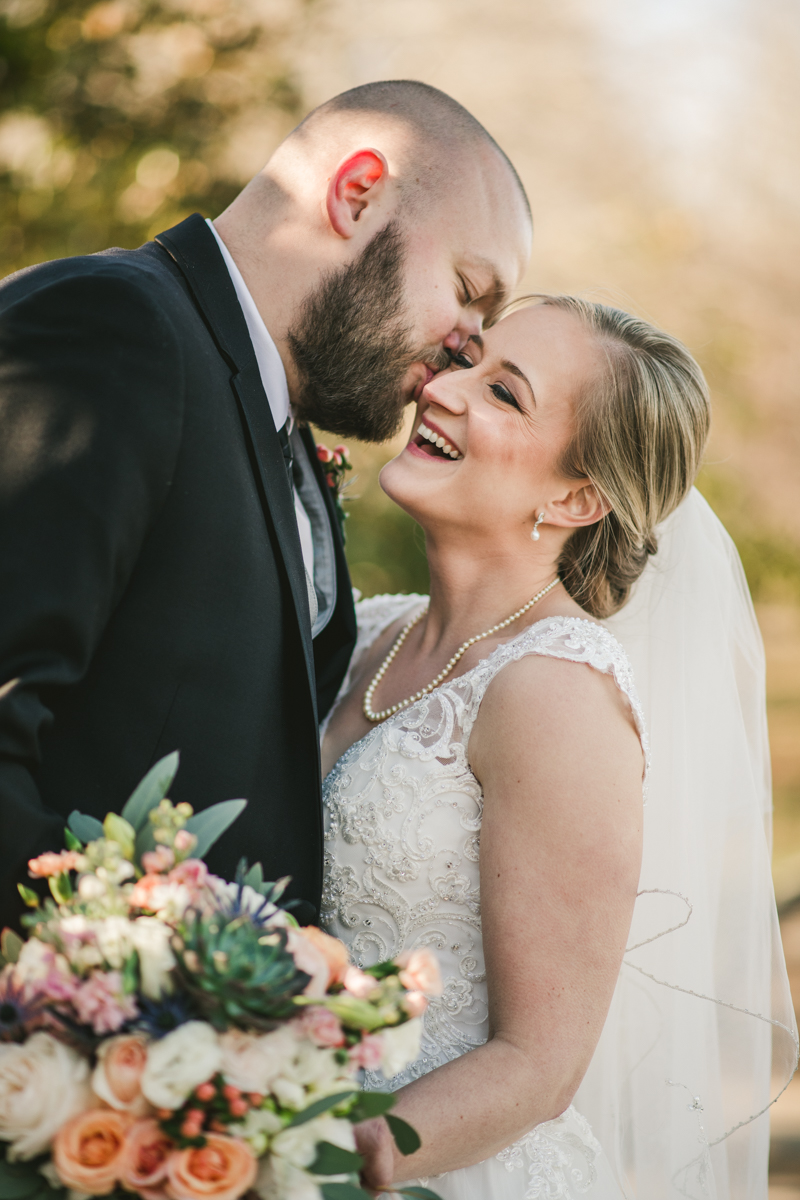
(341,450)
(322,1027)
(367,1053)
(158,860)
(359,984)
(53,864)
(192,873)
(184,841)
(101,1002)
(420,972)
(147,1149)
(414,1003)
(324,454)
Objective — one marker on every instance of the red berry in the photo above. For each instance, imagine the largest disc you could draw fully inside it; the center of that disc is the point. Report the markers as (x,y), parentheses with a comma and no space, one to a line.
(239,1107)
(256,1099)
(230,1092)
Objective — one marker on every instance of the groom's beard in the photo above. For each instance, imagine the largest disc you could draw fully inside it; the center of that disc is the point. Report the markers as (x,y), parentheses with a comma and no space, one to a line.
(351,345)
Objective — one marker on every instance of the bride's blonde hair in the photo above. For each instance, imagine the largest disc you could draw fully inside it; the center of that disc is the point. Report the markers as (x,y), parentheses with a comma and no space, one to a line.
(640,432)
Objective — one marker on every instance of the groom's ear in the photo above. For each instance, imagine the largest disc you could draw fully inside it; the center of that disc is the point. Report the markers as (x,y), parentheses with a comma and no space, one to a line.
(358,181)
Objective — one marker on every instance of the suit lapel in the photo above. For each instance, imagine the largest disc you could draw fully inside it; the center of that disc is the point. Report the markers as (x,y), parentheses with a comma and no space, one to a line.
(194,250)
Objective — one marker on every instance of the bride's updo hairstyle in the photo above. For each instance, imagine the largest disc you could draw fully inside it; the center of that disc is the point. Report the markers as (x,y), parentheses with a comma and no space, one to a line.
(640,432)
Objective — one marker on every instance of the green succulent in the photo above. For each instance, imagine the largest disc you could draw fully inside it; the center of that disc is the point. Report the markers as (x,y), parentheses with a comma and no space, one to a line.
(238,973)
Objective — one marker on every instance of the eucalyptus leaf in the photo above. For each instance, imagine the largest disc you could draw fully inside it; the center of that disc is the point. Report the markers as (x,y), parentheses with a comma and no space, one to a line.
(319,1106)
(371,1104)
(145,841)
(29,896)
(211,823)
(70,841)
(18,1181)
(406,1137)
(255,877)
(118,830)
(335,1160)
(85,828)
(417,1193)
(151,791)
(60,888)
(343,1191)
(10,945)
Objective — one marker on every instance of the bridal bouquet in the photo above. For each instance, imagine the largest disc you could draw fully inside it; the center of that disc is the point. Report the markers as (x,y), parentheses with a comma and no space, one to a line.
(172,1035)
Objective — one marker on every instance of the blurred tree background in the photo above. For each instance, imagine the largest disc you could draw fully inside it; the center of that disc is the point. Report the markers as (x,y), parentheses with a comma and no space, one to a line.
(658,140)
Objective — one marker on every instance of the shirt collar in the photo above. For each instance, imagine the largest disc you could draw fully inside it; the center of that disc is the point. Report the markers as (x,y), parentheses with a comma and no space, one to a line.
(273,376)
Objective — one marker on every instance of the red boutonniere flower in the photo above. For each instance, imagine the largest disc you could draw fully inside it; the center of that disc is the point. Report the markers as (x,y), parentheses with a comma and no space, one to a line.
(336,463)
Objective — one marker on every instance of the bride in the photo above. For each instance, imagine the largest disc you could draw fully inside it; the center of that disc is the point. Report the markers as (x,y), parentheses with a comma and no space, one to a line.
(486,763)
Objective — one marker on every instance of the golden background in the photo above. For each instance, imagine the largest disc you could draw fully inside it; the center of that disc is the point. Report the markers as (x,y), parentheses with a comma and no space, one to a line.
(659,141)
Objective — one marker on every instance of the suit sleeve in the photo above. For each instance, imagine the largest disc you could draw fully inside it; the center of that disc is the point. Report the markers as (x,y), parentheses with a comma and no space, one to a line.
(91,394)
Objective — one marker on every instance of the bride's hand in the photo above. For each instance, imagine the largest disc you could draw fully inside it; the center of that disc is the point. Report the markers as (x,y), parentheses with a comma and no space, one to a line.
(375,1144)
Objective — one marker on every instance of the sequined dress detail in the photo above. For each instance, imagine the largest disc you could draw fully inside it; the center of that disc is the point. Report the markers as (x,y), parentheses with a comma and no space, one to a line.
(402,835)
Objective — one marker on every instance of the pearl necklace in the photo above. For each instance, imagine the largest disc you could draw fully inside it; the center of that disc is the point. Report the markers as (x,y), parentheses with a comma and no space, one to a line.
(375,717)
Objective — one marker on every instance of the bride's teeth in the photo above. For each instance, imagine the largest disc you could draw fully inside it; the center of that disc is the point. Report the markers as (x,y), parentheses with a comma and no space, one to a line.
(454,454)
(448,449)
(440,442)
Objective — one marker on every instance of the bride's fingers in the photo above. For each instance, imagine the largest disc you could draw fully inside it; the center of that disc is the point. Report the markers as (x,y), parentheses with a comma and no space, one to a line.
(376,1146)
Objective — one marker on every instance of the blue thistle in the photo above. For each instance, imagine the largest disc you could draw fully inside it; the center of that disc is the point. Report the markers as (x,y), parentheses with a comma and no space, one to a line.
(160,1017)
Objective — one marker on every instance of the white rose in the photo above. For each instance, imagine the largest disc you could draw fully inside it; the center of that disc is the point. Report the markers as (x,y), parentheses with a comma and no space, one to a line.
(114,939)
(251,1061)
(179,1063)
(401,1045)
(43,1084)
(150,938)
(298,1144)
(288,1093)
(257,1128)
(317,1069)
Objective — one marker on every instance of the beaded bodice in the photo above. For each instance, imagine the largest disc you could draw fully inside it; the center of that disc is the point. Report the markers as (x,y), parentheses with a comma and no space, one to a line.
(403,818)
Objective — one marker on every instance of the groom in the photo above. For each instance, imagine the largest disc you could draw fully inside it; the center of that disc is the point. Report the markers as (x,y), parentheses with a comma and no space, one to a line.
(172,573)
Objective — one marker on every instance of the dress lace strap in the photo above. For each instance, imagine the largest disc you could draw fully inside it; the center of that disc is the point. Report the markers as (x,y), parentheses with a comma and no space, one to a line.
(574,639)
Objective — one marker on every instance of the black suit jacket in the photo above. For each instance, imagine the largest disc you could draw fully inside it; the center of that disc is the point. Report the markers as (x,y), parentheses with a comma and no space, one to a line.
(152,591)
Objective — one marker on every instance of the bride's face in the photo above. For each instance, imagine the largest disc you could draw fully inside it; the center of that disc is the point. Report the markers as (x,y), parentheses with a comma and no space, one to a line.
(505,413)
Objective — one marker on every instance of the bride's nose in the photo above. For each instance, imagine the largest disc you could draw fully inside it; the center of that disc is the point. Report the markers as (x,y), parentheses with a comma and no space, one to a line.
(447,391)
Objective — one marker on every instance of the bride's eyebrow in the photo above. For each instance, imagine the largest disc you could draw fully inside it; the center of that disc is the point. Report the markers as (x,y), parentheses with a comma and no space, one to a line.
(513,369)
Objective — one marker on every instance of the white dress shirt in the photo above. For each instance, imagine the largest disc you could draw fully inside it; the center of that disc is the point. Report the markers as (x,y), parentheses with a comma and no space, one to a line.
(273,377)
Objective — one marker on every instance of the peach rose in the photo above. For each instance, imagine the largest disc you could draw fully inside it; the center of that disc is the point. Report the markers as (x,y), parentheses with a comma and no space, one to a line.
(334,951)
(224,1169)
(117,1076)
(89,1151)
(145,1166)
(310,959)
(359,984)
(420,972)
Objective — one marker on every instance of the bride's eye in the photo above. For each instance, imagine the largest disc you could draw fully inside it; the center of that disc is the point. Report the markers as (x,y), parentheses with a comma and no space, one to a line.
(460,360)
(502,393)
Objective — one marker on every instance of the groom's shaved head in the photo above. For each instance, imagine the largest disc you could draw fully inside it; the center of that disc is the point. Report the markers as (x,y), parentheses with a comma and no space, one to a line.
(442,132)
(382,234)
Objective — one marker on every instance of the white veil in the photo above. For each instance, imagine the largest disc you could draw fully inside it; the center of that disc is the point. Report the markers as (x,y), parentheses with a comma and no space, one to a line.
(701,1035)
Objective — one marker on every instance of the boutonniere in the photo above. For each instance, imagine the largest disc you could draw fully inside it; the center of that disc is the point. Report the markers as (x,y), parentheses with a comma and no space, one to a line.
(336,463)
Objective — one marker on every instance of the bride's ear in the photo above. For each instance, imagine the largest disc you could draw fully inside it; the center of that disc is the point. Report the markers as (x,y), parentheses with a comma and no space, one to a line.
(581,505)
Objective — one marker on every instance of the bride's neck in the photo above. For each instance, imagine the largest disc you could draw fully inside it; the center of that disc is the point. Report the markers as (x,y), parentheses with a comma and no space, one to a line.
(472,591)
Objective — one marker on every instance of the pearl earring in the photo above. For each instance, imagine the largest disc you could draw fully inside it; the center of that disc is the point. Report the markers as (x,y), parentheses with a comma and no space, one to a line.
(535,530)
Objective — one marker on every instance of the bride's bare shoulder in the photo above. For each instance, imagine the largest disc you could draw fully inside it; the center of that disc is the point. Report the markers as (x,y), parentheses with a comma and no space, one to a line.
(567,709)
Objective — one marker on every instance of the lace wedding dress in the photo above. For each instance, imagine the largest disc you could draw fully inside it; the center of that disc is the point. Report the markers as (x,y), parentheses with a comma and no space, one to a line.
(402,820)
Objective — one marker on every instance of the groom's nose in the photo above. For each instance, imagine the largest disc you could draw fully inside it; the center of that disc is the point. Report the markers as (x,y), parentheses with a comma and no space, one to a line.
(469,326)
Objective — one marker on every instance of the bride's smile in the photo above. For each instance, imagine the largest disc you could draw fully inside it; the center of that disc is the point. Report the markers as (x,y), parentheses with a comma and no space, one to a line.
(484,454)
